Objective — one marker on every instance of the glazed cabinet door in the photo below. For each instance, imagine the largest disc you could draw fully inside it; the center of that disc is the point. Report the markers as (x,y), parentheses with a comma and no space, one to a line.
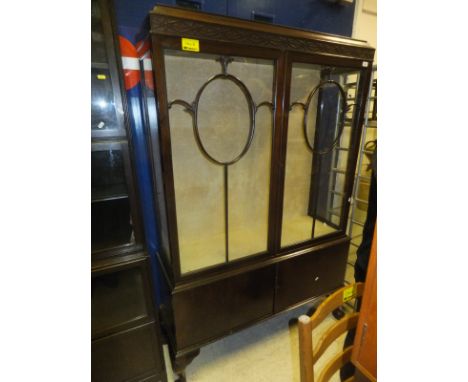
(115,221)
(125,338)
(320,146)
(120,298)
(107,117)
(217,145)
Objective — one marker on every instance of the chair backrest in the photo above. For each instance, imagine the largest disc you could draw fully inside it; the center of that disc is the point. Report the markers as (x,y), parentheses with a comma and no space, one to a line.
(306,324)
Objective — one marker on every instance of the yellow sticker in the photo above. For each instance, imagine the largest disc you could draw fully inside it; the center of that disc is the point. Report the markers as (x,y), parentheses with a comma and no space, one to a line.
(190,44)
(349,293)
(101,76)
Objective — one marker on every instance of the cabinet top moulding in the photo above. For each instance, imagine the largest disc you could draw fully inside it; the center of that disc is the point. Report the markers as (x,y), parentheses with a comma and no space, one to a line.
(173,21)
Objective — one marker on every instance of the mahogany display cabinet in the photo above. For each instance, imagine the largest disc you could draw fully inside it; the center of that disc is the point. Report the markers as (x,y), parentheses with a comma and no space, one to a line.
(125,334)
(254,155)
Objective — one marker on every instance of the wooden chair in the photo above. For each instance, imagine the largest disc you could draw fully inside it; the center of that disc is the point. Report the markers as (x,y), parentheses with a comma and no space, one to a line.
(307,354)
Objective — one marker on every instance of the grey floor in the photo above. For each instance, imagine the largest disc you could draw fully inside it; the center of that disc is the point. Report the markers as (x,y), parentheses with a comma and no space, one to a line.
(268,351)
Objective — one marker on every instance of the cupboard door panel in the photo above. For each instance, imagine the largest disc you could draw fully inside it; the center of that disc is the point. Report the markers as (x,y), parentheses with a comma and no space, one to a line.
(310,275)
(118,299)
(126,355)
(217,308)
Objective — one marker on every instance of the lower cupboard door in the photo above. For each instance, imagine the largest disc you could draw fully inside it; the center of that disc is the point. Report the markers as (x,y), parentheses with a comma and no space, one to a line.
(131,355)
(310,275)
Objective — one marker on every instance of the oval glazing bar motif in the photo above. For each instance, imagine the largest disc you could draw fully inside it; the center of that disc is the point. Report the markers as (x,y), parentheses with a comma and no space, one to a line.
(193,110)
(305,106)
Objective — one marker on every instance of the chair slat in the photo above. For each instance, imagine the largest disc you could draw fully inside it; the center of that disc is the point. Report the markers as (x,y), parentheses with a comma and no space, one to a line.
(348,322)
(332,302)
(335,364)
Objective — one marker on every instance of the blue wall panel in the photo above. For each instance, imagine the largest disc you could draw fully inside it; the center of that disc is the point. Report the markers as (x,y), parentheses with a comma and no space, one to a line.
(145,185)
(133,15)
(316,15)
(249,9)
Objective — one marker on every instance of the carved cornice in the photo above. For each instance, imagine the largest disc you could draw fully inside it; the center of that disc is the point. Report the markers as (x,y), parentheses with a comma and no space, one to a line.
(174,26)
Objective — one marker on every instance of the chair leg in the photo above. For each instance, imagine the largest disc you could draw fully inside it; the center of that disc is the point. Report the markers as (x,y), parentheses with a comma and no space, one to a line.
(305,349)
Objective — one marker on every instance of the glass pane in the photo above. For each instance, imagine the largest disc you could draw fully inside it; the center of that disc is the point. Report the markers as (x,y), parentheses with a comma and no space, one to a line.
(117,298)
(107,175)
(223,116)
(161,214)
(111,224)
(317,153)
(103,113)
(198,182)
(98,44)
(221,182)
(249,178)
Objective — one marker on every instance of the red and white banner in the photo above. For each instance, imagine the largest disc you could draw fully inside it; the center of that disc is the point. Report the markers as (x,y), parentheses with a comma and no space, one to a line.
(130,63)
(131,57)
(144,52)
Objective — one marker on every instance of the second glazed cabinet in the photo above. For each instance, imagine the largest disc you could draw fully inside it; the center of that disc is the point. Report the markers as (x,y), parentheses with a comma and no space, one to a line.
(254,152)
(126,343)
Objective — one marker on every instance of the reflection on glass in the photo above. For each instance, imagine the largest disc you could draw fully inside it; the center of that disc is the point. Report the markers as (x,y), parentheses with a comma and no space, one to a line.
(103,113)
(222,210)
(107,175)
(111,224)
(297,224)
(160,195)
(315,180)
(98,44)
(116,298)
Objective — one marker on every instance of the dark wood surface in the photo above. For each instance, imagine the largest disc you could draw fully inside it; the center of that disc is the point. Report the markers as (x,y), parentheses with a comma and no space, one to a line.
(127,343)
(211,303)
(311,274)
(172,21)
(128,355)
(211,310)
(239,267)
(121,296)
